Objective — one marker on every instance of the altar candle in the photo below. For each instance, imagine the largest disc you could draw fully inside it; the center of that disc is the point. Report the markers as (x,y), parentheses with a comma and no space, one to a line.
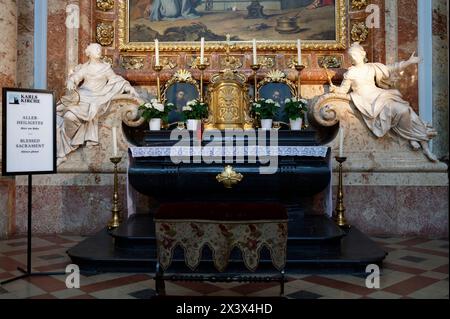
(341,142)
(114,138)
(202,50)
(156,52)
(255,57)
(299,52)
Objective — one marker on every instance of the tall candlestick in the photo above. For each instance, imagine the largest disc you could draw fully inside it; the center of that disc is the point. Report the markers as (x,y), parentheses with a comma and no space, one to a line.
(299,52)
(255,57)
(202,51)
(114,138)
(156,52)
(341,142)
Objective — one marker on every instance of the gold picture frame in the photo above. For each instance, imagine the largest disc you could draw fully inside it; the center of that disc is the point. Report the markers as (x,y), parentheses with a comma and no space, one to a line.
(340,42)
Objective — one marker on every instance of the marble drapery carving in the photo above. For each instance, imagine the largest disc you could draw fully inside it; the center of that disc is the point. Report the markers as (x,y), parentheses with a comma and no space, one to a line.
(78,112)
(383,108)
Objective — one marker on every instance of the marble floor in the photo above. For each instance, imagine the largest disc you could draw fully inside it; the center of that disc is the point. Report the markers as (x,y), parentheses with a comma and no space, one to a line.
(414,268)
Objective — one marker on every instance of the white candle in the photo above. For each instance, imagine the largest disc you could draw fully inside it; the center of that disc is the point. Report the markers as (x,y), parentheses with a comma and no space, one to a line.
(299,52)
(341,142)
(114,138)
(202,50)
(156,52)
(255,57)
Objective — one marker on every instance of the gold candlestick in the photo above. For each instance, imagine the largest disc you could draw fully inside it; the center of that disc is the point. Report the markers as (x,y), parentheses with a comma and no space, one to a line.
(116,218)
(255,68)
(338,214)
(299,68)
(202,67)
(157,69)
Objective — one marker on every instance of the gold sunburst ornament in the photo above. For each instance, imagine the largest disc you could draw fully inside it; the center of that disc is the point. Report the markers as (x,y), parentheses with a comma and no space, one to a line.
(229,177)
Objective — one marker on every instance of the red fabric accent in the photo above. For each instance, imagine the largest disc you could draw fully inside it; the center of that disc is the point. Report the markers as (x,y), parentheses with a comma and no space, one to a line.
(222,211)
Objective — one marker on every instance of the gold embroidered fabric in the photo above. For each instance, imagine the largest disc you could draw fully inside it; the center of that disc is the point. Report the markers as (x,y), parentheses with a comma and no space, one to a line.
(221,237)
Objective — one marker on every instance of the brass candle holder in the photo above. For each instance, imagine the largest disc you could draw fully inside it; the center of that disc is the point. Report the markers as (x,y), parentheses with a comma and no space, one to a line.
(202,67)
(158,69)
(255,68)
(339,212)
(116,218)
(299,68)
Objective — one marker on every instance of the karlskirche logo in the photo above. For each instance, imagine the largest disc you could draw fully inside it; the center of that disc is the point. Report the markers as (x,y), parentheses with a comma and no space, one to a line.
(14,99)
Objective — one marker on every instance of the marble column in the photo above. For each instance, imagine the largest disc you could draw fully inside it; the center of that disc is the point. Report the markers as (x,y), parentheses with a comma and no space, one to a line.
(8,75)
(72,35)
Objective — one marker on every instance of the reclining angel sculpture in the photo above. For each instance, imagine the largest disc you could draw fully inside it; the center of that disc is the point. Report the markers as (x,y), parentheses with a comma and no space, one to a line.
(382,107)
(93,86)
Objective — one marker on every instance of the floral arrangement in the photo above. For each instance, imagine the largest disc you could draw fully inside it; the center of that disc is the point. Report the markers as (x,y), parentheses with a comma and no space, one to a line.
(195,110)
(265,109)
(155,110)
(295,108)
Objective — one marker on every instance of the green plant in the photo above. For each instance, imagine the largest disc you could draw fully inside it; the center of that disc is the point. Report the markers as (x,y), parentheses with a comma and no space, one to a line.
(155,110)
(195,110)
(265,109)
(295,108)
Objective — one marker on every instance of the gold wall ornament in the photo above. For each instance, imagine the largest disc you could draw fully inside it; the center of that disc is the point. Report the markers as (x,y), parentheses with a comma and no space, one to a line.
(292,62)
(105,5)
(340,43)
(330,61)
(359,32)
(108,59)
(105,33)
(133,62)
(229,177)
(359,4)
(168,63)
(228,101)
(181,76)
(266,62)
(277,76)
(230,62)
(195,62)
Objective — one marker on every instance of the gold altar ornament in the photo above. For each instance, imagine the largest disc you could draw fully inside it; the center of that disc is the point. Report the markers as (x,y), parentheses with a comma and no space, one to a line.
(116,218)
(229,177)
(133,62)
(359,32)
(105,5)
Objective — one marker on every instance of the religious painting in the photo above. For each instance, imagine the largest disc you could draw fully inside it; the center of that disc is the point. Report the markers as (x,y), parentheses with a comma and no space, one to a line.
(277,92)
(179,94)
(180,24)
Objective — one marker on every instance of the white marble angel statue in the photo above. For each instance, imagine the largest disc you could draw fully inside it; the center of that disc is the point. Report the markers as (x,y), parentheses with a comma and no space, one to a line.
(94,85)
(382,107)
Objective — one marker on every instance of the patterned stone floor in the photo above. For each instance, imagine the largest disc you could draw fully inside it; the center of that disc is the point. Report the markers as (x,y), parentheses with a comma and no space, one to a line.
(414,268)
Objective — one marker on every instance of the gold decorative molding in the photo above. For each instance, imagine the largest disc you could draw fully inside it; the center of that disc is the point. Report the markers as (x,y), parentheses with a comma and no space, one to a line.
(266,62)
(359,32)
(108,59)
(292,62)
(339,44)
(105,33)
(105,5)
(230,62)
(195,61)
(133,62)
(330,61)
(168,63)
(359,4)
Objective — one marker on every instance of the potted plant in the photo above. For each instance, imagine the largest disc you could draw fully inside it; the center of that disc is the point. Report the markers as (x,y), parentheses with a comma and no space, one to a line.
(194,112)
(266,111)
(295,109)
(154,111)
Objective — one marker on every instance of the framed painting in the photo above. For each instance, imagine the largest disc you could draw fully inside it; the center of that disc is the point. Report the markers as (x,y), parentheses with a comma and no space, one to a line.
(275,24)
